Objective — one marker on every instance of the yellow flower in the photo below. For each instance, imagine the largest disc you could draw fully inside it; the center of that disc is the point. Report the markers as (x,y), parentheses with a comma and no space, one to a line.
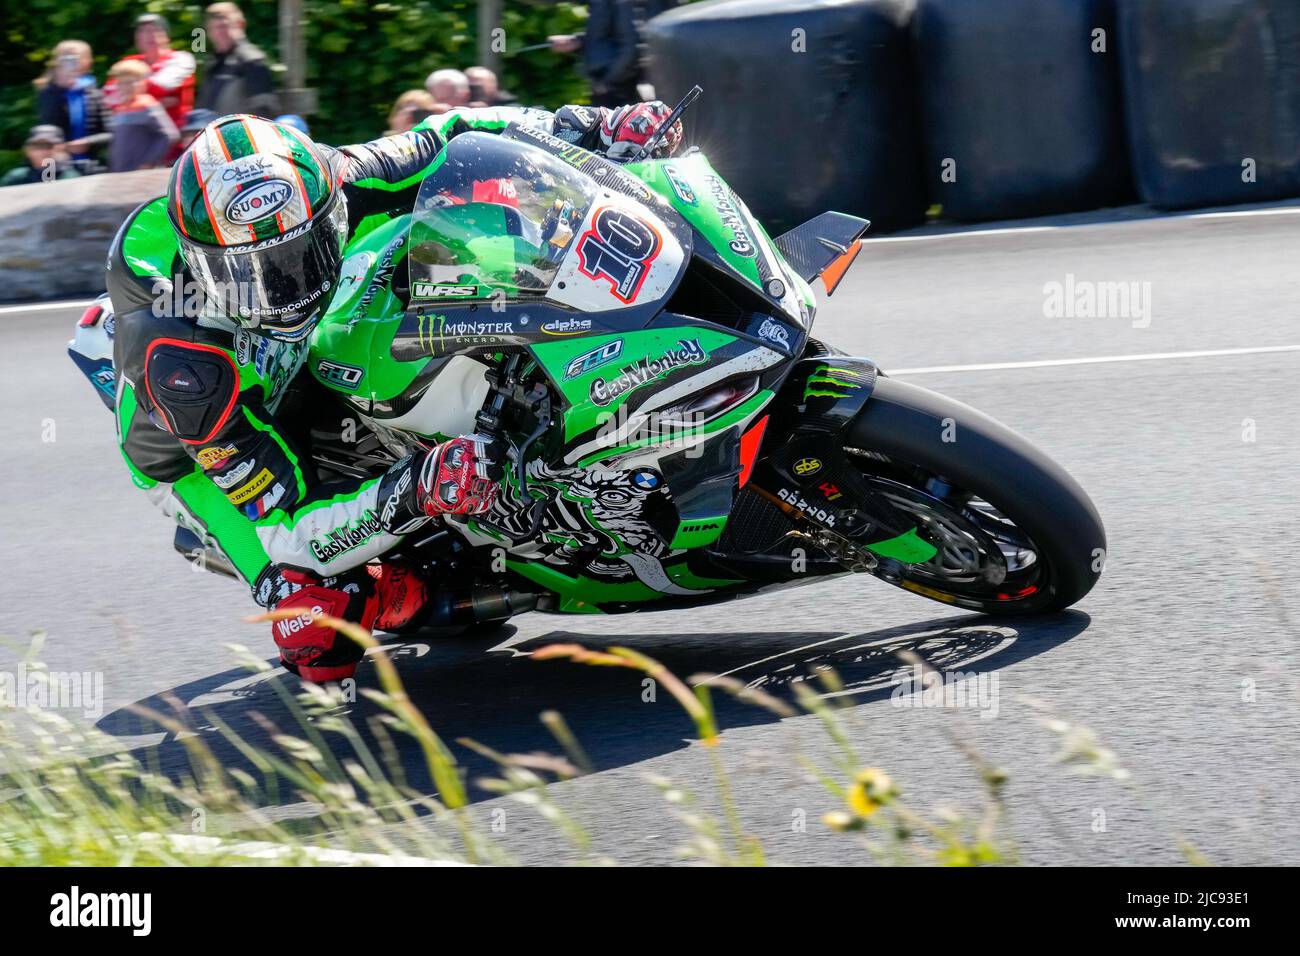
(871,790)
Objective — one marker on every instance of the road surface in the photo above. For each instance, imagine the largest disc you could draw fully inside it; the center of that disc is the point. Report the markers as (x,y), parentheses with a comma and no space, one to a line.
(1182,660)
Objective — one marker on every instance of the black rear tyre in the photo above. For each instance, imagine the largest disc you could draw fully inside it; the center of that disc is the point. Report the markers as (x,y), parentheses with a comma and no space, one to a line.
(923,444)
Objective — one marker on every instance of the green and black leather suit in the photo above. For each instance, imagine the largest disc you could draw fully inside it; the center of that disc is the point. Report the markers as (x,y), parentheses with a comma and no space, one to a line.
(198,395)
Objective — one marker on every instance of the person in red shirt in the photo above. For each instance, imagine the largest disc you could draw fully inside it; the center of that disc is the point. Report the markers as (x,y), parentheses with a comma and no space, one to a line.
(171,72)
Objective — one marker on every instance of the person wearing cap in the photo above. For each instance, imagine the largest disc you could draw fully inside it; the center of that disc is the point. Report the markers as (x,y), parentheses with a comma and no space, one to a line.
(68,97)
(143,133)
(236,75)
(171,72)
(46,159)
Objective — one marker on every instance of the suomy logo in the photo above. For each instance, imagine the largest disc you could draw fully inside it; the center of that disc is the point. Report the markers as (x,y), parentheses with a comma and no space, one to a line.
(264,199)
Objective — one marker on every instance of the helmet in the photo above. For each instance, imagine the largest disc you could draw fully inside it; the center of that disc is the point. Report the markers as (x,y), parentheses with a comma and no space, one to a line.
(261,223)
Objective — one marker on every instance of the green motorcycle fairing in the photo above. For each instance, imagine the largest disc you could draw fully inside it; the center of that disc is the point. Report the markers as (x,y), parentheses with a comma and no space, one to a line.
(645,463)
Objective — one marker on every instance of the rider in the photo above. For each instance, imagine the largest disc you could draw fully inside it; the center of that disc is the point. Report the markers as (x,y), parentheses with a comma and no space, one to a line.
(255,220)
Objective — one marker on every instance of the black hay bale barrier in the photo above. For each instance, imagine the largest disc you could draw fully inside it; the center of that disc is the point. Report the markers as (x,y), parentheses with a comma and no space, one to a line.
(1212,89)
(807,106)
(1020,116)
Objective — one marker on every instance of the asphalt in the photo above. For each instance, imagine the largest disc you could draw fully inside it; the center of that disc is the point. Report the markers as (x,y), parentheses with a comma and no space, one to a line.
(1182,661)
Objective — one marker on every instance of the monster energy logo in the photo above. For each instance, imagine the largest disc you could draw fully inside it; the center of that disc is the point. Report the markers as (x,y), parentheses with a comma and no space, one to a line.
(826,381)
(433,330)
(346,538)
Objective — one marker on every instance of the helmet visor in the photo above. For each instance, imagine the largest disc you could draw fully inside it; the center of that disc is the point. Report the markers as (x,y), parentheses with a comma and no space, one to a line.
(279,285)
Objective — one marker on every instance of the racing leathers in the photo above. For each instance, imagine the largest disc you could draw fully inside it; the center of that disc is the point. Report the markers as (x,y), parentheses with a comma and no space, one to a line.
(199,397)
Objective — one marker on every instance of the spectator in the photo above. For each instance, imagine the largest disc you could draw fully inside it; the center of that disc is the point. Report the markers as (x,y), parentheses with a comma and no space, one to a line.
(411,107)
(484,90)
(46,159)
(236,76)
(611,47)
(143,133)
(448,86)
(69,99)
(171,72)
(194,123)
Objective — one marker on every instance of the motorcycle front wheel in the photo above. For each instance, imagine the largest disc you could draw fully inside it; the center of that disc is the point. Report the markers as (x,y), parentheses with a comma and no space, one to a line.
(1014,533)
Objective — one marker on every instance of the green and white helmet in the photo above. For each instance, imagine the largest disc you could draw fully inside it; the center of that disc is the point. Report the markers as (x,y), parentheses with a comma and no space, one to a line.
(261,223)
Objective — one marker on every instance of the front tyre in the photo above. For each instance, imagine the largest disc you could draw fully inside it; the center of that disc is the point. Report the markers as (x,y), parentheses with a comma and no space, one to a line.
(1015,534)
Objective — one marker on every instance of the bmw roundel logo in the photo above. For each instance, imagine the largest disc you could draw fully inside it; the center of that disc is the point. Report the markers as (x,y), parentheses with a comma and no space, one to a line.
(645,479)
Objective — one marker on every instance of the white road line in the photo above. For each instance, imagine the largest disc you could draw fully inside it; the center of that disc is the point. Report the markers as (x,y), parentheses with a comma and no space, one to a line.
(1016,230)
(1093,360)
(45,306)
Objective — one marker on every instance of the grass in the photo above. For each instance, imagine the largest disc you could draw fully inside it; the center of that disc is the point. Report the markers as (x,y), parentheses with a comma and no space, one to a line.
(69,796)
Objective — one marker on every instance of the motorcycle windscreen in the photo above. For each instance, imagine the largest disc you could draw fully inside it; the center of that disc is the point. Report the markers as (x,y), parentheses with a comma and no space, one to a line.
(495,218)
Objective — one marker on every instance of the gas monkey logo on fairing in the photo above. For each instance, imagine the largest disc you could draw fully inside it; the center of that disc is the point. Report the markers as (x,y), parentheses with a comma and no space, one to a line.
(1084,299)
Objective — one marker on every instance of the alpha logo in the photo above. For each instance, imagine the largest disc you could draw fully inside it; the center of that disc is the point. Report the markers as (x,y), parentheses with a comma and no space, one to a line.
(646,480)
(264,199)
(680,186)
(567,326)
(336,373)
(589,361)
(342,540)
(618,248)
(256,485)
(235,475)
(774,331)
(827,381)
(438,290)
(211,458)
(644,371)
(807,466)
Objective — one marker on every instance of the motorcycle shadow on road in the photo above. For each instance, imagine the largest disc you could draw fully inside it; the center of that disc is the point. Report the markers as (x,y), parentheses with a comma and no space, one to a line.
(490,690)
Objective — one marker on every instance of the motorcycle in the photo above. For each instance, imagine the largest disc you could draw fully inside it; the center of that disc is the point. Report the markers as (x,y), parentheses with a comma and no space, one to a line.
(676,435)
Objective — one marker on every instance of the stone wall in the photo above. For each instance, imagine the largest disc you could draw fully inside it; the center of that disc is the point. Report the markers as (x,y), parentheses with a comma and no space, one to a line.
(54,236)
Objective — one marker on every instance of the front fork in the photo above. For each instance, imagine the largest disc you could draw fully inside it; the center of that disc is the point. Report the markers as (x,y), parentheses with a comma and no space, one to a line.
(804,470)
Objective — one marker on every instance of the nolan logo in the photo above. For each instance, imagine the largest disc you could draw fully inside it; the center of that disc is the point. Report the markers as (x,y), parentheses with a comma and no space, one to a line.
(264,199)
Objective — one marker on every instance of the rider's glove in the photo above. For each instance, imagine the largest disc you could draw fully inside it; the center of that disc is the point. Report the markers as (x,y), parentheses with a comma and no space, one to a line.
(456,478)
(625,130)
